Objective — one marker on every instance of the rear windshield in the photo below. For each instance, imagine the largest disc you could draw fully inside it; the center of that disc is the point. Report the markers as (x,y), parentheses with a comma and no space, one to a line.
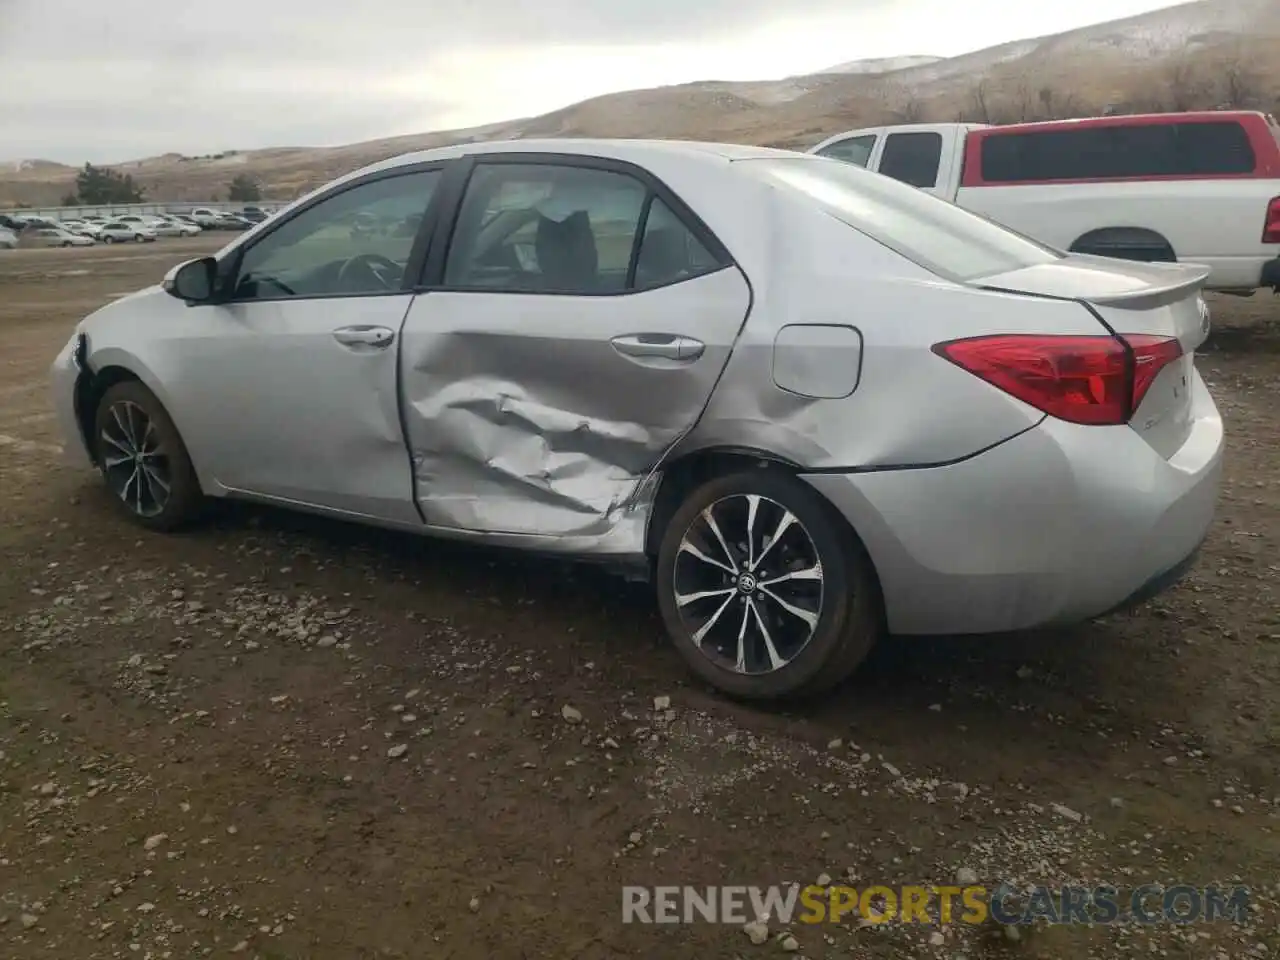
(1117,152)
(939,236)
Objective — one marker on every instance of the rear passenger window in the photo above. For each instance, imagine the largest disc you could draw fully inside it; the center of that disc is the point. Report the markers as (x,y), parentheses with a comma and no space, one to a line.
(854,150)
(568,229)
(912,158)
(1219,148)
(669,251)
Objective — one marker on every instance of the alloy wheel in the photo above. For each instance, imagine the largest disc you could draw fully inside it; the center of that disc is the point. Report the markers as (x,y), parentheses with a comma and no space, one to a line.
(134,461)
(748,584)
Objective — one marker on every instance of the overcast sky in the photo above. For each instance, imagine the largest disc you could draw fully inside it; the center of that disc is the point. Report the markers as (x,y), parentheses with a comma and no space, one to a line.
(110,80)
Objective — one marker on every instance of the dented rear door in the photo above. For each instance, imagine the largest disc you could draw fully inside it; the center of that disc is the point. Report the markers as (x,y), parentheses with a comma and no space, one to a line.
(539,414)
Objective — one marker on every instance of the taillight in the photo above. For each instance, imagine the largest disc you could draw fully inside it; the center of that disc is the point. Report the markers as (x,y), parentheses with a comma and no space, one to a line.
(1090,380)
(1271,232)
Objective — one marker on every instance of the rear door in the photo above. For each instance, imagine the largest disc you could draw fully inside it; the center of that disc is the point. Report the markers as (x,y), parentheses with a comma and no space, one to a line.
(916,157)
(567,336)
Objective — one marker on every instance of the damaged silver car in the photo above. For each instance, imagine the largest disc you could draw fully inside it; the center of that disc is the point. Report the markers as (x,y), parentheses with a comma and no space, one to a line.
(811,403)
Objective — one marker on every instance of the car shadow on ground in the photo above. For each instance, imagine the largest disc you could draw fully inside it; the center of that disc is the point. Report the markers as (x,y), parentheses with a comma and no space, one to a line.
(979,692)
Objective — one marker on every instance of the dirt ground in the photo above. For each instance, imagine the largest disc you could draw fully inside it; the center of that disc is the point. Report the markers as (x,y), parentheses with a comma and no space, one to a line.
(195,729)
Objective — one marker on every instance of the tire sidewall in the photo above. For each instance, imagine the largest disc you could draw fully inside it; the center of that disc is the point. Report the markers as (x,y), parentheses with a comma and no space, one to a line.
(842,604)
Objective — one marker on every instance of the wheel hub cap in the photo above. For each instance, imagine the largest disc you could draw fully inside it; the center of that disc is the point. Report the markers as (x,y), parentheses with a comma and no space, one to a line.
(748,584)
(134,461)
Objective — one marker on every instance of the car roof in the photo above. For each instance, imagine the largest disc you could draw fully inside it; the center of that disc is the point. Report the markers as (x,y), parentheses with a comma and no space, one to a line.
(639,152)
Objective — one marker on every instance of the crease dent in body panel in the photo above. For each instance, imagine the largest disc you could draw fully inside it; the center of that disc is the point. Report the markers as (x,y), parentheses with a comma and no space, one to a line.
(498,457)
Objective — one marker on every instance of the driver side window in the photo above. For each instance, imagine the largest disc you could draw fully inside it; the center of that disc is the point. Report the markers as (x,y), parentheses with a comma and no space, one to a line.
(355,243)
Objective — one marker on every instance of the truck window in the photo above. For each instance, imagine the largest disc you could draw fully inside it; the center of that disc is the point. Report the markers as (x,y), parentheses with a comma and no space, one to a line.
(1117,152)
(854,150)
(945,239)
(912,158)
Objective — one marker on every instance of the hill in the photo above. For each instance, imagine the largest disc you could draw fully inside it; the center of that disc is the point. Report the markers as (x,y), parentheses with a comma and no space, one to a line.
(1204,54)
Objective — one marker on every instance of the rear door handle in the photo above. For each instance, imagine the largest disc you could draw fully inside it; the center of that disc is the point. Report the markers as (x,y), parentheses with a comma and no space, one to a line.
(363,335)
(663,346)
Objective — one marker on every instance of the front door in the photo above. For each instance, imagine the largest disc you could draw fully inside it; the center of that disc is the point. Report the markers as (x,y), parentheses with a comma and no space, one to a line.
(290,384)
(576,331)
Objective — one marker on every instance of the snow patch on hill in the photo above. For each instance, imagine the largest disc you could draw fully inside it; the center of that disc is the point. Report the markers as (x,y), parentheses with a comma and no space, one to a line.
(876,65)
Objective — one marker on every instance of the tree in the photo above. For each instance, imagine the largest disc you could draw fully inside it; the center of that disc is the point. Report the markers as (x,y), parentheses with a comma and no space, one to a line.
(97,186)
(243,189)
(1241,86)
(71,200)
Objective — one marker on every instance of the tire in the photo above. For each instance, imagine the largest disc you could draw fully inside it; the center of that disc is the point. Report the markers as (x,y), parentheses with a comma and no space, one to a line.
(139,238)
(65,243)
(108,239)
(120,426)
(843,600)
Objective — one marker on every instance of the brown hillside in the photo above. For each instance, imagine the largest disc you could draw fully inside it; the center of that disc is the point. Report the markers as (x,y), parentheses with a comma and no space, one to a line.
(1206,54)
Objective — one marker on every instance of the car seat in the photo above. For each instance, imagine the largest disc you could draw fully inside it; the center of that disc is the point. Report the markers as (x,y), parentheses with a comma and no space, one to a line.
(566,252)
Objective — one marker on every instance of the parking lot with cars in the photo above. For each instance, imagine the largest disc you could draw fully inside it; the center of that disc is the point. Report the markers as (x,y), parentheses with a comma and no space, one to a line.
(19,229)
(285,737)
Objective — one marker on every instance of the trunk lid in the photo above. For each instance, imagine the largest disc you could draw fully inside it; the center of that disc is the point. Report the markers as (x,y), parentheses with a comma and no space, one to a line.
(1143,303)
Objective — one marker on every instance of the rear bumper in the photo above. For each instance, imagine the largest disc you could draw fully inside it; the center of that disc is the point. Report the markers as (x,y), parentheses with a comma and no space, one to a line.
(1060,524)
(1271,274)
(1159,583)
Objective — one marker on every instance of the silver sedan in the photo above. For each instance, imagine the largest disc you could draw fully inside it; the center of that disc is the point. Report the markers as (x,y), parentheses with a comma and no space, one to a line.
(811,403)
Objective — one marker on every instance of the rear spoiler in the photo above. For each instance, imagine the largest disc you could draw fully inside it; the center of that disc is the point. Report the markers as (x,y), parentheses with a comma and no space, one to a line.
(1168,283)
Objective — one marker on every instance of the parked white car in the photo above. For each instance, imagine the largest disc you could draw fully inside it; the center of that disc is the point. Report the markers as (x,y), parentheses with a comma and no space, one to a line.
(207,217)
(173,227)
(84,228)
(52,237)
(1192,187)
(139,219)
(117,231)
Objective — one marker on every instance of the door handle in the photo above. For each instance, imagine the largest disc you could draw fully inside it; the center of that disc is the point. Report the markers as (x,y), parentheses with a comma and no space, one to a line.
(363,335)
(663,346)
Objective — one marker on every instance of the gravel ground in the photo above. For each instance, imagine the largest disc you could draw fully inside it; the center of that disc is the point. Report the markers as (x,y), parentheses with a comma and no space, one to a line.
(280,737)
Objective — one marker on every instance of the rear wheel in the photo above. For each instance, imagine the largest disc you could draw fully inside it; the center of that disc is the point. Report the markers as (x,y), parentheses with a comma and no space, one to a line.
(143,459)
(764,592)
(108,239)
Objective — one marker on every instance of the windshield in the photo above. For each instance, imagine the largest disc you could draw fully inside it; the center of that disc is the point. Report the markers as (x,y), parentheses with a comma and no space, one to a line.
(939,236)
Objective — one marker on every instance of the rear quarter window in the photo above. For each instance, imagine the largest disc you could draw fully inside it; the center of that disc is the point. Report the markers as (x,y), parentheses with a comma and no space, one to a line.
(1118,152)
(941,237)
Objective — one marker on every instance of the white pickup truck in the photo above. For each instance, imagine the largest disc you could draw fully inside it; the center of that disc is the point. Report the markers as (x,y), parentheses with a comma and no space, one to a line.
(1197,187)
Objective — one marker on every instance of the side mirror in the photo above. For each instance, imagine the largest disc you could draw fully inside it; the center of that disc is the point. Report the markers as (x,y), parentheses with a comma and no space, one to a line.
(192,281)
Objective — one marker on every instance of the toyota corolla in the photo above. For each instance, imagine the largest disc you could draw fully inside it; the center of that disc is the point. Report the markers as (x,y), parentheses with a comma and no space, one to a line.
(812,404)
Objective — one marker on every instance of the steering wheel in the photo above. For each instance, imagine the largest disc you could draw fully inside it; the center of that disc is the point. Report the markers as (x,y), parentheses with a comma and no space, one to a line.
(384,271)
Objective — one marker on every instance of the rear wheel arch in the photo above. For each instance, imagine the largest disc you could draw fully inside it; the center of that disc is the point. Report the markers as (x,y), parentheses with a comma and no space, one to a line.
(688,472)
(1127,243)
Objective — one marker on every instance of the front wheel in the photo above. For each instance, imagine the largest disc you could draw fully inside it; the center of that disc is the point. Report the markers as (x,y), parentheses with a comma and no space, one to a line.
(143,459)
(766,594)
(108,239)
